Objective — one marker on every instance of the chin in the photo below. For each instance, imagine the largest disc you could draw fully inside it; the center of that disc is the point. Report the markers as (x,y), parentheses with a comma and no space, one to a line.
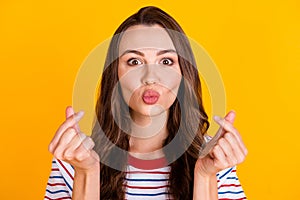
(151,111)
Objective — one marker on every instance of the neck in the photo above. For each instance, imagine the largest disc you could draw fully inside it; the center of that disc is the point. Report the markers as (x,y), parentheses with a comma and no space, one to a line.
(147,136)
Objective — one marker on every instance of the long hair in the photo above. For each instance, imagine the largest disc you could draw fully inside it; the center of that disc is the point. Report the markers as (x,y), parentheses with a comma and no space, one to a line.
(181,113)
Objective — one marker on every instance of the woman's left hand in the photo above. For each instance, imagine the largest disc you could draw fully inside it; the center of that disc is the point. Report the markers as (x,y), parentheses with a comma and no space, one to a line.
(229,151)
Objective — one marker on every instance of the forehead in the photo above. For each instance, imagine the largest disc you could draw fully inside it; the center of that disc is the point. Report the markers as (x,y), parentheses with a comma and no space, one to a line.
(141,36)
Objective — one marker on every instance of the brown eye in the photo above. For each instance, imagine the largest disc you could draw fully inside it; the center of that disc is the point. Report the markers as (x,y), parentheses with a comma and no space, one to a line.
(134,61)
(167,61)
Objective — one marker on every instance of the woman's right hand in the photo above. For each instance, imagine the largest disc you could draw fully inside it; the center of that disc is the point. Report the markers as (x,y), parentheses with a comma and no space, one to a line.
(72,146)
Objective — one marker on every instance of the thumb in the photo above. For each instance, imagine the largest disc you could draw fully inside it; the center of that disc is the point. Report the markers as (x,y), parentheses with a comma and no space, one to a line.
(230,116)
(69,113)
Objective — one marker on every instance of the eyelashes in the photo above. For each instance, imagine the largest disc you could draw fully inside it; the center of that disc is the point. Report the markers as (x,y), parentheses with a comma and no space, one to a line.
(137,61)
(134,62)
(167,61)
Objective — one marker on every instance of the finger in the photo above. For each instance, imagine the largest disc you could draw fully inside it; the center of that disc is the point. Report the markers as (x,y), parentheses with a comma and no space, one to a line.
(88,143)
(82,152)
(69,113)
(227,149)
(236,149)
(236,145)
(230,128)
(95,155)
(70,148)
(230,116)
(65,139)
(69,152)
(219,158)
(70,122)
(211,154)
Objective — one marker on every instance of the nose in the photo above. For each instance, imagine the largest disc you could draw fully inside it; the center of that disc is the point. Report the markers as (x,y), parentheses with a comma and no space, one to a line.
(150,75)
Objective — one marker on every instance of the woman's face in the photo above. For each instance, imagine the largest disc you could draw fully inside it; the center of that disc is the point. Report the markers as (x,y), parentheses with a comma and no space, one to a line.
(148,70)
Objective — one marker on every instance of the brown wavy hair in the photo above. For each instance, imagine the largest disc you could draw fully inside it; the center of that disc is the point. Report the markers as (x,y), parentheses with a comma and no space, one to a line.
(187,108)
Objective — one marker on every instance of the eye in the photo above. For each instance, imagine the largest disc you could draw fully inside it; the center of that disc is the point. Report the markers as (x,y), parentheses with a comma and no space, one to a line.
(134,61)
(167,61)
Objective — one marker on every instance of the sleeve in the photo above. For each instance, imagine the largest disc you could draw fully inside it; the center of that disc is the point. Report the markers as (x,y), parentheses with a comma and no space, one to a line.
(229,187)
(60,182)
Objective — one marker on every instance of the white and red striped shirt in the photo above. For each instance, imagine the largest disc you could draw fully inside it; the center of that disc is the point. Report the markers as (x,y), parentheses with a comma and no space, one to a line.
(145,179)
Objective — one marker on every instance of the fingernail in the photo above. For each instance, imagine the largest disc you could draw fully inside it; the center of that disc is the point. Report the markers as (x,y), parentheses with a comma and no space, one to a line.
(78,115)
(217,118)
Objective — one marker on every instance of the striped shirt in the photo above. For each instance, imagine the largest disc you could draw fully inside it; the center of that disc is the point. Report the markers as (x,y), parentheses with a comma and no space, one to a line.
(145,179)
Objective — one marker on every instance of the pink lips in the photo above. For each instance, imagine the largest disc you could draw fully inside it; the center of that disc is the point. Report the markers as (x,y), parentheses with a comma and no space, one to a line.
(150,97)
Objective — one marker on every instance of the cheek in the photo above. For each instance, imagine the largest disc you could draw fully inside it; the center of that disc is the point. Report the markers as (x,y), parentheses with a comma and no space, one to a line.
(133,99)
(174,84)
(130,82)
(170,78)
(168,98)
(172,87)
(121,71)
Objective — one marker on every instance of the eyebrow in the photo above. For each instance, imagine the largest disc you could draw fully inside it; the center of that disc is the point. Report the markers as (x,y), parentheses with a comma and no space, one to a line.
(142,54)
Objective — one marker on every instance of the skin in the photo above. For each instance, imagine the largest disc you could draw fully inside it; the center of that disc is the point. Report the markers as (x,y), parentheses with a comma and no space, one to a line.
(70,145)
(229,151)
(141,68)
(144,69)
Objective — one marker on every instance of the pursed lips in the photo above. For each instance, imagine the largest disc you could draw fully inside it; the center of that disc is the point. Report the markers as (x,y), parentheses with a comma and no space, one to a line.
(150,96)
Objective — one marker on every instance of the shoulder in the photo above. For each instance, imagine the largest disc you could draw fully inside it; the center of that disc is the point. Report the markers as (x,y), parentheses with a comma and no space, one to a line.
(60,182)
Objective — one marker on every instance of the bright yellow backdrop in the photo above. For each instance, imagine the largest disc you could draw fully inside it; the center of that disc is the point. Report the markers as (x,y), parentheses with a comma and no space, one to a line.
(255,44)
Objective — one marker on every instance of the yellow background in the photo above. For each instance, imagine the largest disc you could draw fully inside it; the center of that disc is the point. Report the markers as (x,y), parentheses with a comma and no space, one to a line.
(255,44)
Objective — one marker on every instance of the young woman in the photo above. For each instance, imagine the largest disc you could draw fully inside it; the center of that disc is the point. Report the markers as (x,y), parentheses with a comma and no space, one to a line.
(150,125)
